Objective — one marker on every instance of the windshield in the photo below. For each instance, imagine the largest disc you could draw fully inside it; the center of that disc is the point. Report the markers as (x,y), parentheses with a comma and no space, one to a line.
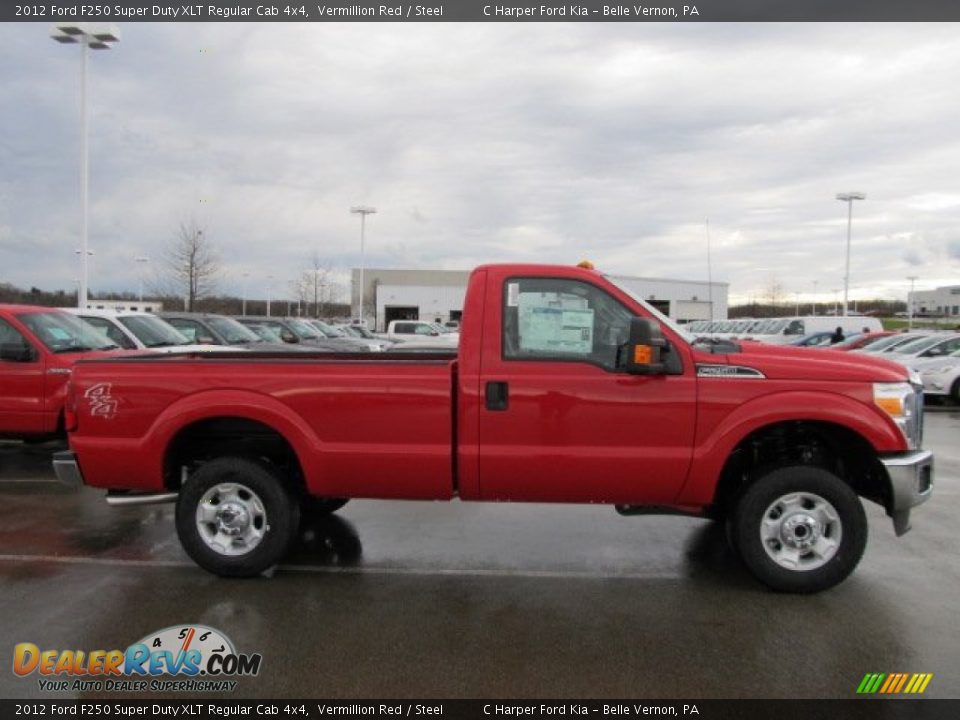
(266,332)
(152,331)
(233,332)
(652,310)
(303,329)
(327,330)
(892,341)
(62,332)
(918,345)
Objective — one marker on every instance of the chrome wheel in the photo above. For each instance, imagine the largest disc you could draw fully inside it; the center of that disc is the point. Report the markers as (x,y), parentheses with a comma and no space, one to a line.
(231,519)
(801,531)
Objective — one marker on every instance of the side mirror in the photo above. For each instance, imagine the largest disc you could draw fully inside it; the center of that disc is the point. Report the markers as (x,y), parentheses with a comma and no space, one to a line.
(289,337)
(434,334)
(17,352)
(641,354)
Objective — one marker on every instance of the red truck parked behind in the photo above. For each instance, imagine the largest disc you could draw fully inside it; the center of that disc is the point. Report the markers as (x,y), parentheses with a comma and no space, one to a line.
(38,347)
(566,388)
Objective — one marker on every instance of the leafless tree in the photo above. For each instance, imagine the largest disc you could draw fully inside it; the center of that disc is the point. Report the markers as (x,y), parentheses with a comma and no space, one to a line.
(314,283)
(191,264)
(774,291)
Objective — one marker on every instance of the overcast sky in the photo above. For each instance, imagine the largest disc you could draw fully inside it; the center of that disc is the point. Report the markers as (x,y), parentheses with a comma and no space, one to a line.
(492,142)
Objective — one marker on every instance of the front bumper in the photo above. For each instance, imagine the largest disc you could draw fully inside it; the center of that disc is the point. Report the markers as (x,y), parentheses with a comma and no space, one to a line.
(911,483)
(66,468)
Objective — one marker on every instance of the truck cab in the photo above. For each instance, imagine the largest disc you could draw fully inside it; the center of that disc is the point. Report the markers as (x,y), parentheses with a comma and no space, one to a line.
(38,348)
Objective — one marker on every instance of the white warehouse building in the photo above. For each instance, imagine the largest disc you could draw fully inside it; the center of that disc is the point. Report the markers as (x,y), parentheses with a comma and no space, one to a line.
(943,302)
(437,296)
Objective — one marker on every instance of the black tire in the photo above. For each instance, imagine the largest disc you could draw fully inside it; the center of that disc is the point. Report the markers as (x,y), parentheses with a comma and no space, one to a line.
(317,506)
(955,392)
(795,485)
(278,522)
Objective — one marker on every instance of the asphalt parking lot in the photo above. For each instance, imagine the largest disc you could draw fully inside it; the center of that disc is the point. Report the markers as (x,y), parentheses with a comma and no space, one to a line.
(410,599)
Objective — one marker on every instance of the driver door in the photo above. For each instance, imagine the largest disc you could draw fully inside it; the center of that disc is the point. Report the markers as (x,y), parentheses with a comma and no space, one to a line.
(559,421)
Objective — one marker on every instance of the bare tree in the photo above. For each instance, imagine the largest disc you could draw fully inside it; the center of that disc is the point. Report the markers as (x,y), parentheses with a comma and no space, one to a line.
(192,264)
(314,284)
(774,291)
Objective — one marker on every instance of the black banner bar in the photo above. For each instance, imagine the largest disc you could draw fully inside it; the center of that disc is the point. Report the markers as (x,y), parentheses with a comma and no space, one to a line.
(865,709)
(482,11)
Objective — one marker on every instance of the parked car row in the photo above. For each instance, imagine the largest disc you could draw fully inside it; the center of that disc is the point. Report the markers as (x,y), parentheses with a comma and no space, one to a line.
(38,347)
(782,330)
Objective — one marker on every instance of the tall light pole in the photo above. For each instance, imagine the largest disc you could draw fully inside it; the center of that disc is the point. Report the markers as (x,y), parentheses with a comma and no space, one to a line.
(912,279)
(89,37)
(362,211)
(141,259)
(848,198)
(243,312)
(269,289)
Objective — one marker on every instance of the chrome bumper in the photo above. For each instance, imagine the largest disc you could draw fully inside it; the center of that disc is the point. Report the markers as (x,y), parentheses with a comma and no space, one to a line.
(66,468)
(911,483)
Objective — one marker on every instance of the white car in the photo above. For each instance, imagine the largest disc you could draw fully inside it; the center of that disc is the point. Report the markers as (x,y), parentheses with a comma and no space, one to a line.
(133,330)
(924,351)
(420,330)
(942,378)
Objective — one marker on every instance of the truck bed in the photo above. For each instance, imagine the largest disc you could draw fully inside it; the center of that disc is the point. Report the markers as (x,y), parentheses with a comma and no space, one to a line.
(365,425)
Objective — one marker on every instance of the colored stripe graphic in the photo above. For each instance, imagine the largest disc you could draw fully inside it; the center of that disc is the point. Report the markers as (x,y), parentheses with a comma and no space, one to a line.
(894,683)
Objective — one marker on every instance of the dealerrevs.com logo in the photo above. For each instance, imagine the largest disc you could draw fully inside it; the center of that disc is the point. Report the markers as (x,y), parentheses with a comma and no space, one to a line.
(181,658)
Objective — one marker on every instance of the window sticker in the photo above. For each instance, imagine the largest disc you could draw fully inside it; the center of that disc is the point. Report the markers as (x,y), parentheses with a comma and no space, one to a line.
(556,324)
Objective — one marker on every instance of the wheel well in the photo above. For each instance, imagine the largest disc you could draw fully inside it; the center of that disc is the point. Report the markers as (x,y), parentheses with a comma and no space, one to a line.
(831,447)
(208,439)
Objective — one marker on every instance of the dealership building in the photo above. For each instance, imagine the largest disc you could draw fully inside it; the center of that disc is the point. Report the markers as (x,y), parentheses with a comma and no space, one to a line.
(437,296)
(943,302)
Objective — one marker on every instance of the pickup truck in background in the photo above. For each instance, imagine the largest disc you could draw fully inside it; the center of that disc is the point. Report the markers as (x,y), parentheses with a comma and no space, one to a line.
(418,330)
(566,388)
(38,348)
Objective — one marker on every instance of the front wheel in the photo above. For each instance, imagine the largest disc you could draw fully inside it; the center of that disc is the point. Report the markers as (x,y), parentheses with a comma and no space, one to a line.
(800,529)
(236,517)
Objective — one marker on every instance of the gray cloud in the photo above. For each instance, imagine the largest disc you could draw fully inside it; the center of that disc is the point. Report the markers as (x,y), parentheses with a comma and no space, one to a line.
(482,143)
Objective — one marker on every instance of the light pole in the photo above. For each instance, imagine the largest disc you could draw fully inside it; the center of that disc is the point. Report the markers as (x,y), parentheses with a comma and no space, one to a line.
(813,305)
(141,259)
(362,211)
(92,37)
(912,279)
(269,289)
(244,301)
(848,198)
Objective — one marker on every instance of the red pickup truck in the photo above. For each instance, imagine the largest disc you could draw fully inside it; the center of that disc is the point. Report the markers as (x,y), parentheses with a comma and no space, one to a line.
(566,387)
(38,347)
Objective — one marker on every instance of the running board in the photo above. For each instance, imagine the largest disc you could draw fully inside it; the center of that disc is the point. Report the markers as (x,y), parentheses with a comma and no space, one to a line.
(120,499)
(658,510)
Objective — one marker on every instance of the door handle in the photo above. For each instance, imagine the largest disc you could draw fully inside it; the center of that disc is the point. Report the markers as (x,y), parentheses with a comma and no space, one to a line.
(497,396)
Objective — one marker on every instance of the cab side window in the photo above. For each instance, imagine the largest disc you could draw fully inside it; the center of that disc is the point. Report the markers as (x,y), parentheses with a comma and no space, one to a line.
(795,327)
(561,319)
(13,345)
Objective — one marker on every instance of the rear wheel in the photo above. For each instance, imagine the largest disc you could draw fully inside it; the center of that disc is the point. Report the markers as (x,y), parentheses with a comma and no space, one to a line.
(236,517)
(800,529)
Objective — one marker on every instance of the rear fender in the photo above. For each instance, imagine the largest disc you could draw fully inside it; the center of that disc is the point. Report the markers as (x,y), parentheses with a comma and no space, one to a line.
(234,404)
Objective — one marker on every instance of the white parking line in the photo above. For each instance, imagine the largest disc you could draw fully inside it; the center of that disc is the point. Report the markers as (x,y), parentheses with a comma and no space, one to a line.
(347,570)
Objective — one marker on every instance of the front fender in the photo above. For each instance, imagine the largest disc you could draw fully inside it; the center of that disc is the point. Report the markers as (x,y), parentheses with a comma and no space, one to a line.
(715,444)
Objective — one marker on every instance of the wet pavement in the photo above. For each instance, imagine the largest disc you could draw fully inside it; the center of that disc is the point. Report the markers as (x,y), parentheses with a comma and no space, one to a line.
(414,599)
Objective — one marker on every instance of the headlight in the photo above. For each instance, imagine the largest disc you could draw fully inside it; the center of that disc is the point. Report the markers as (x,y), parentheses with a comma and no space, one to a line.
(900,402)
